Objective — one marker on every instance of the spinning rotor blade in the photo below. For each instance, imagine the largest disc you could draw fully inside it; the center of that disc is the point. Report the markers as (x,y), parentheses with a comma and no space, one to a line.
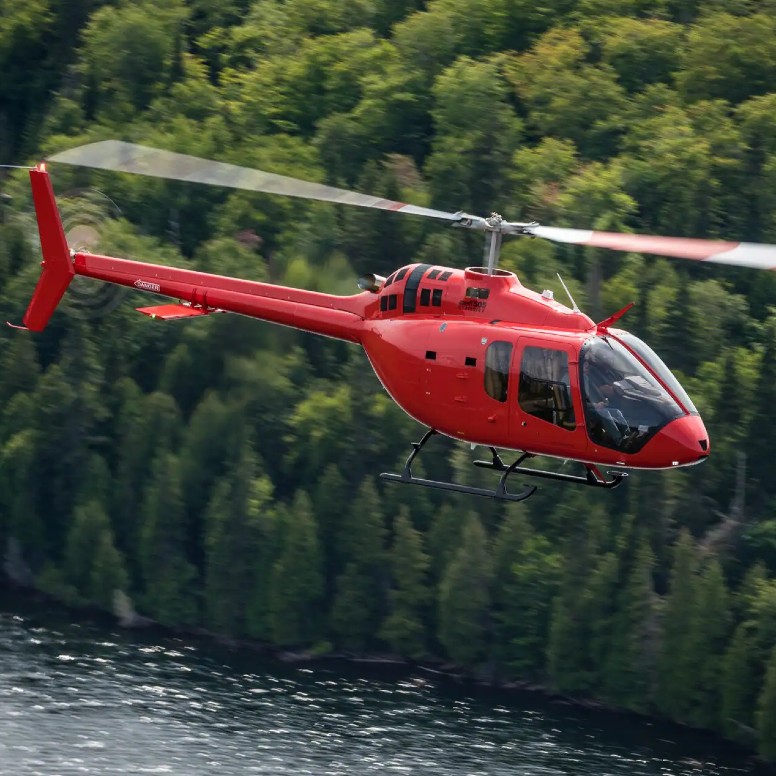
(142,160)
(740,254)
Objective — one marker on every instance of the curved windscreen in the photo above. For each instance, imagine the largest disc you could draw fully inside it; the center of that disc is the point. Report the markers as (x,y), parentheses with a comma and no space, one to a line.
(625,406)
(656,364)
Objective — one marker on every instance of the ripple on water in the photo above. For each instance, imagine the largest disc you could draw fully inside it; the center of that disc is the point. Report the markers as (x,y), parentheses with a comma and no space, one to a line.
(88,701)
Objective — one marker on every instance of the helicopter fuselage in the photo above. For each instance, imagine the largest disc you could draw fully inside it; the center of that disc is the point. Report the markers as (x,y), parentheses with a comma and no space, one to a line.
(471,354)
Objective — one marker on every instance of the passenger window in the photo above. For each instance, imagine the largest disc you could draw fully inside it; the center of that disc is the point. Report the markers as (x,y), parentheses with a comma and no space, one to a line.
(497,358)
(545,389)
(436,298)
(392,302)
(425,297)
(477,293)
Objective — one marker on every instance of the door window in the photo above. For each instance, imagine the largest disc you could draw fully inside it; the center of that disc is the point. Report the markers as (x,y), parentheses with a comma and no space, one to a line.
(497,358)
(545,389)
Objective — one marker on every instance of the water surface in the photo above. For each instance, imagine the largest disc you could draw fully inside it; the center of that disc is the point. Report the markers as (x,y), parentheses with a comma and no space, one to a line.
(85,698)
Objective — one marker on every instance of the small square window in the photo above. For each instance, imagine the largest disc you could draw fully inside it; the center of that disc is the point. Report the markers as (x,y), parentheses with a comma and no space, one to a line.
(431,355)
(445,275)
(392,302)
(477,293)
(425,296)
(471,361)
(434,274)
(436,299)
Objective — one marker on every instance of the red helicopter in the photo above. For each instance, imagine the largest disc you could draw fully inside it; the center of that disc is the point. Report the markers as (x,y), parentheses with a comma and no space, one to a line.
(471,354)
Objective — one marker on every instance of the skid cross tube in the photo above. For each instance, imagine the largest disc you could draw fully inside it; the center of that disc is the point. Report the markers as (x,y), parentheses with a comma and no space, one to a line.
(500,492)
(593,477)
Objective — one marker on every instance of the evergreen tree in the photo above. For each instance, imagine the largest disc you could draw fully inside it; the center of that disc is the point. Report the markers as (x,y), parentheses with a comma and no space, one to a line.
(630,662)
(405,627)
(709,629)
(236,546)
(167,575)
(740,686)
(677,662)
(464,598)
(360,589)
(296,584)
(527,573)
(766,712)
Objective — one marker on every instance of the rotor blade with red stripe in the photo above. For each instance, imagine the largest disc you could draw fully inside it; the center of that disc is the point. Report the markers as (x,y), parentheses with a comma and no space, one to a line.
(741,254)
(143,160)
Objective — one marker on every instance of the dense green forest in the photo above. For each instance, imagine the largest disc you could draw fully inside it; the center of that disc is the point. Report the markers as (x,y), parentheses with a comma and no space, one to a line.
(221,473)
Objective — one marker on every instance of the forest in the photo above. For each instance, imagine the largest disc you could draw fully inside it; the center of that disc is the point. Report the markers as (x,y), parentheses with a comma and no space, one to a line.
(221,473)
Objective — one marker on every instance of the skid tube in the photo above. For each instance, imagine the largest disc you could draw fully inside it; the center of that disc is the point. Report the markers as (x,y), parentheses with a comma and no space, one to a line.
(499,492)
(593,477)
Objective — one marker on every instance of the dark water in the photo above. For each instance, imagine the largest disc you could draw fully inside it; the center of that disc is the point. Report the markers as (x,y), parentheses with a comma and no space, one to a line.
(87,699)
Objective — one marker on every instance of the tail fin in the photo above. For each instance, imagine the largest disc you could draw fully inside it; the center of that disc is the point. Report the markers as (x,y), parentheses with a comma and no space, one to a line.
(57,264)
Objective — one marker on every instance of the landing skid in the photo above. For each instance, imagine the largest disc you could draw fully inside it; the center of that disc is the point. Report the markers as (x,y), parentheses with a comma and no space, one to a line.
(593,477)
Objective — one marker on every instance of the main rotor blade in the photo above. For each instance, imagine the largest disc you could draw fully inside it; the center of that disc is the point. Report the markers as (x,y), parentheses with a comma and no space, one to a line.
(741,254)
(142,160)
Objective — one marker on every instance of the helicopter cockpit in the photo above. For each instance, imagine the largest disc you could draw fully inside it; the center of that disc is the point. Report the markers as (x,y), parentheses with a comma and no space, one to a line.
(624,392)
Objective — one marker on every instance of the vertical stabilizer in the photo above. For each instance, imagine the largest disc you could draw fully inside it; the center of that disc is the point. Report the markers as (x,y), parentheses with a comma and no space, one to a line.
(57,264)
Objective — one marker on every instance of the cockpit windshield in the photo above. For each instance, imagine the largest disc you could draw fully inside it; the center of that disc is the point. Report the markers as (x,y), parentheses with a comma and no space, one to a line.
(625,406)
(656,364)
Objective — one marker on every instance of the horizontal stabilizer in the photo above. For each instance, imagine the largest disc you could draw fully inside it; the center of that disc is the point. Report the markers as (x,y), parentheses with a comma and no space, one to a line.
(171,312)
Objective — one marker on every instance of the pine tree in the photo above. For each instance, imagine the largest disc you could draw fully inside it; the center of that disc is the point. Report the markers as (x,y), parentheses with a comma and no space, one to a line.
(168,577)
(89,524)
(296,583)
(358,603)
(527,574)
(677,662)
(739,686)
(709,629)
(108,573)
(235,545)
(630,662)
(766,712)
(464,598)
(405,627)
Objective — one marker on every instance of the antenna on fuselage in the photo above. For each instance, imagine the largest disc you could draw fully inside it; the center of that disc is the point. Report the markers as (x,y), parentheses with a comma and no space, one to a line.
(568,293)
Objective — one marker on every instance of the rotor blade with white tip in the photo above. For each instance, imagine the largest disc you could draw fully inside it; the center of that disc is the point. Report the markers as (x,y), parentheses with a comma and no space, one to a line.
(741,254)
(143,160)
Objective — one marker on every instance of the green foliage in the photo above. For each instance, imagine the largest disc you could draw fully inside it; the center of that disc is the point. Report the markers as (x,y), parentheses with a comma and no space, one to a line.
(766,713)
(161,460)
(464,597)
(296,583)
(405,627)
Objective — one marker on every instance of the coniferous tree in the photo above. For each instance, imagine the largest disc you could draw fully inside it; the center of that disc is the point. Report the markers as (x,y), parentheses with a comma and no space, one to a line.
(523,621)
(464,597)
(739,686)
(358,601)
(167,575)
(766,712)
(236,546)
(296,583)
(405,627)
(677,662)
(631,657)
(709,628)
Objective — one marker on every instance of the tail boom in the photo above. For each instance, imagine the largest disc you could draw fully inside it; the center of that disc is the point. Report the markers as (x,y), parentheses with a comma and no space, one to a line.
(340,317)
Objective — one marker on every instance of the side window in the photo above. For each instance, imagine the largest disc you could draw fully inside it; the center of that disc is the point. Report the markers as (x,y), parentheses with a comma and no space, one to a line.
(497,358)
(545,390)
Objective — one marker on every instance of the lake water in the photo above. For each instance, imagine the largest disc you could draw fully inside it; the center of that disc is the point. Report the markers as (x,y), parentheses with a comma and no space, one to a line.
(86,698)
